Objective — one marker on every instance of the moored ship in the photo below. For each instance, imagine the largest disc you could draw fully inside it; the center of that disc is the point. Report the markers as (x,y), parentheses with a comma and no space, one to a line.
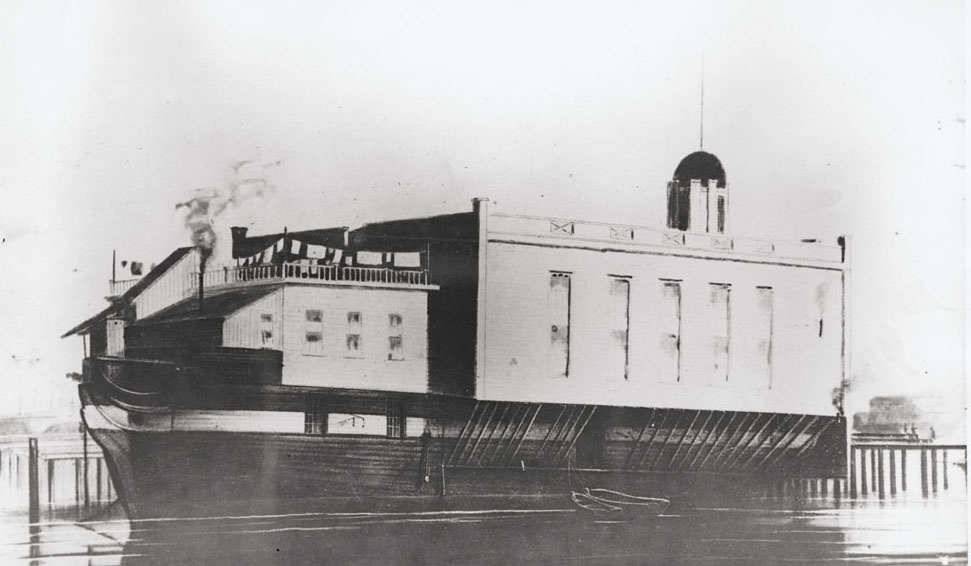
(471,360)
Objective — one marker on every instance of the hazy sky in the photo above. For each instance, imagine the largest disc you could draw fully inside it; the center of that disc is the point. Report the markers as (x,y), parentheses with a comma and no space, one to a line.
(833,117)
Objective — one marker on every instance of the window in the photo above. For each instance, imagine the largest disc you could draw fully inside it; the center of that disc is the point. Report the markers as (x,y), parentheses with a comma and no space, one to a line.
(721,214)
(679,206)
(394,416)
(559,316)
(266,330)
(763,333)
(618,356)
(720,321)
(395,343)
(353,344)
(314,417)
(669,321)
(313,343)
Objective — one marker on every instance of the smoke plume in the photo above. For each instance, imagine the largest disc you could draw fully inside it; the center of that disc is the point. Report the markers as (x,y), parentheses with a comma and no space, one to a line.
(208,203)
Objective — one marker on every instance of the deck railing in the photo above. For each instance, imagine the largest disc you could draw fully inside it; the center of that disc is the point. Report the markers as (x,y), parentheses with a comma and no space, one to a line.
(310,273)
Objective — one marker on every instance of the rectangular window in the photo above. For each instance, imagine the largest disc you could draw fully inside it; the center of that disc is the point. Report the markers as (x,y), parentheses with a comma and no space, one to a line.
(721,214)
(313,343)
(559,316)
(669,321)
(314,417)
(395,421)
(720,319)
(353,345)
(395,342)
(763,333)
(266,330)
(618,356)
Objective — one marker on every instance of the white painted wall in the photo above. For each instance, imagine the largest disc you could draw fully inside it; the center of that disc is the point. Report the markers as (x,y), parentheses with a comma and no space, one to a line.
(805,366)
(173,286)
(335,367)
(243,328)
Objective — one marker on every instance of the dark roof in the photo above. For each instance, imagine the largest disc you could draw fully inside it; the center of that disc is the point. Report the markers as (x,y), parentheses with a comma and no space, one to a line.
(103,315)
(119,304)
(412,234)
(408,235)
(700,165)
(216,305)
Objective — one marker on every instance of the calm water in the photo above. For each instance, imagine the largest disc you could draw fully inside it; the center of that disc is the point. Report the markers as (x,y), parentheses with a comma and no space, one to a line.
(902,530)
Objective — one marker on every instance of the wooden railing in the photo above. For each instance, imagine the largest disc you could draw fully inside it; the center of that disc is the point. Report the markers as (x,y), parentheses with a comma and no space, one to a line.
(310,273)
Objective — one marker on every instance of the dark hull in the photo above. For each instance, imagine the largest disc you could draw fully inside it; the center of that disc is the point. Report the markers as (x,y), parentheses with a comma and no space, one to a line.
(475,462)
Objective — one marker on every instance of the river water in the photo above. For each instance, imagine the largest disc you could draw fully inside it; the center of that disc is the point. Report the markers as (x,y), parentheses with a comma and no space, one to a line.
(905,529)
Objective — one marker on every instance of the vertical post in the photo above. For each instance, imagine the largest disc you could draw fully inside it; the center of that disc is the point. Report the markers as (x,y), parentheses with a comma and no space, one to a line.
(837,491)
(825,487)
(893,471)
(34,484)
(50,482)
(873,469)
(903,469)
(853,452)
(77,481)
(923,471)
(880,474)
(814,487)
(87,492)
(944,468)
(934,469)
(864,487)
(97,474)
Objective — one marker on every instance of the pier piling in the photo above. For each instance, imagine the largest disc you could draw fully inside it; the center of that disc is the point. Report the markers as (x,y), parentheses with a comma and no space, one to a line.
(923,472)
(33,481)
(853,471)
(87,492)
(863,475)
(873,469)
(944,468)
(903,469)
(893,471)
(880,474)
(934,470)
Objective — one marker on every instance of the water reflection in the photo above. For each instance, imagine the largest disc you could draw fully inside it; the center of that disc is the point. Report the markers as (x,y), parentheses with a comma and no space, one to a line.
(757,531)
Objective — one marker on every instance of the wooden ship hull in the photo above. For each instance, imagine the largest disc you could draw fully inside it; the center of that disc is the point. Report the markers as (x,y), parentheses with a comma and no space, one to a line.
(211,453)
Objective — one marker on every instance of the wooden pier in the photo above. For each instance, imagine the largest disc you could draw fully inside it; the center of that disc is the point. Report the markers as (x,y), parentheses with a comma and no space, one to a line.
(63,470)
(889,470)
(880,471)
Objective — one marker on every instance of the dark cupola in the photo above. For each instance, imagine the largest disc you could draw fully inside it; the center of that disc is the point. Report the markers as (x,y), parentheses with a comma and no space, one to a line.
(698,194)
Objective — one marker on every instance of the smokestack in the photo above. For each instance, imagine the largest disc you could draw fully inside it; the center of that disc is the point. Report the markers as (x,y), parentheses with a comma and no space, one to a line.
(202,279)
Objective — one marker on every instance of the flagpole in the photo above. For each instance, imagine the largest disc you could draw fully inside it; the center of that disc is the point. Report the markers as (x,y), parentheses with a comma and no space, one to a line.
(114,262)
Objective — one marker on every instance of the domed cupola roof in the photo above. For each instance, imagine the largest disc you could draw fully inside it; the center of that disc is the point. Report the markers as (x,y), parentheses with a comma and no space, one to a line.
(700,165)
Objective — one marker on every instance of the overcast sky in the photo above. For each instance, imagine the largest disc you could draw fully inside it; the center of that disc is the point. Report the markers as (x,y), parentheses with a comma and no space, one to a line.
(832,117)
